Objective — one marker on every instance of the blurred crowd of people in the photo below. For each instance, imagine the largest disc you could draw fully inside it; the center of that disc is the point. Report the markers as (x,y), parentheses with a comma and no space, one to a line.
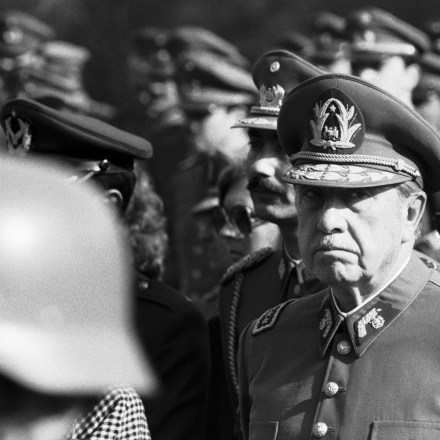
(192,168)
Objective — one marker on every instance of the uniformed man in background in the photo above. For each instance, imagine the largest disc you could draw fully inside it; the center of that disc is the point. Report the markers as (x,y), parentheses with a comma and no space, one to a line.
(330,43)
(266,277)
(385,51)
(358,360)
(216,89)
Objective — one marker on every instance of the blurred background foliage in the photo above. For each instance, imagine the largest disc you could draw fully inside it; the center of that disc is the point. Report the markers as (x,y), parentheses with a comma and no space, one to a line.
(104,26)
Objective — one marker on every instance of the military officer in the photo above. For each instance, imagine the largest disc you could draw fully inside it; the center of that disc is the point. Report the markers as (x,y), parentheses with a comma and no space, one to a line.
(385,51)
(265,278)
(170,328)
(359,359)
(215,89)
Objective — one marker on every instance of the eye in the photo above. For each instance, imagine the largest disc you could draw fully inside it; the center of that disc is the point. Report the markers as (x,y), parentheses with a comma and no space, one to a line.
(309,196)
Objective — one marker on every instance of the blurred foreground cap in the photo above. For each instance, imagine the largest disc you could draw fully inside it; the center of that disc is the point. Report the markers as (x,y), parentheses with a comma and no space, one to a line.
(66,303)
(275,73)
(21,32)
(375,34)
(341,131)
(88,143)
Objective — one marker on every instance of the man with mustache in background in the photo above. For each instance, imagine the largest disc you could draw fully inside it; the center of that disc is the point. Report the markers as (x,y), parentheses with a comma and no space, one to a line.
(265,278)
(358,360)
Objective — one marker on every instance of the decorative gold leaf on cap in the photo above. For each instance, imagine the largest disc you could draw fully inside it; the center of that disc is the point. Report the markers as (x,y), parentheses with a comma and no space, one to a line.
(339,132)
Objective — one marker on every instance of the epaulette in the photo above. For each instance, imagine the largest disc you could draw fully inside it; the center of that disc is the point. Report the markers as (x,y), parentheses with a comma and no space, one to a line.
(269,318)
(247,262)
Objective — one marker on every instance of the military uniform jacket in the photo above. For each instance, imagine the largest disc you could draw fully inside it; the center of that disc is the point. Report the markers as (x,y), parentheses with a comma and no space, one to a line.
(254,284)
(175,337)
(305,372)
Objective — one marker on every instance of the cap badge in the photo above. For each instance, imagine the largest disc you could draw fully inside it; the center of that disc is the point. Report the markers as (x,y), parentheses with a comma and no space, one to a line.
(373,318)
(271,96)
(335,124)
(18,135)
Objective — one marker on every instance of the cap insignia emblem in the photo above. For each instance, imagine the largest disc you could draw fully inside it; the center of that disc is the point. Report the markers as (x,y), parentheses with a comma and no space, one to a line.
(373,318)
(18,135)
(271,96)
(334,125)
(275,66)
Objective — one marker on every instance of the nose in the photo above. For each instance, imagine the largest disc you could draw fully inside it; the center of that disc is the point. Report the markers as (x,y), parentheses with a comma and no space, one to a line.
(332,219)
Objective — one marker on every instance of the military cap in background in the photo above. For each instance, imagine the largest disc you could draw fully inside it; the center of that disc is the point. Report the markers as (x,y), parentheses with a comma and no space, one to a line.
(89,145)
(295,42)
(149,56)
(330,42)
(197,39)
(55,77)
(210,71)
(432,28)
(275,74)
(341,131)
(21,33)
(375,34)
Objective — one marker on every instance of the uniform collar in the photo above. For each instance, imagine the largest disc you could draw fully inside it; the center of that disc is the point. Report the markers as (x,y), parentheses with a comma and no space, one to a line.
(368,322)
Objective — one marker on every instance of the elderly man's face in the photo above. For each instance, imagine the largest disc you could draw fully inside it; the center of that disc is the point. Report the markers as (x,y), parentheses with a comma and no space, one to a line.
(350,237)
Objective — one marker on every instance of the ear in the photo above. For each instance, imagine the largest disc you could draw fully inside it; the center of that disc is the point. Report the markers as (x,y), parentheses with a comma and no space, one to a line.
(114,197)
(414,206)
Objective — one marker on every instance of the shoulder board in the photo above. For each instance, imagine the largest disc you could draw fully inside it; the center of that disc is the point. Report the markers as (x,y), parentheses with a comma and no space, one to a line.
(246,263)
(269,318)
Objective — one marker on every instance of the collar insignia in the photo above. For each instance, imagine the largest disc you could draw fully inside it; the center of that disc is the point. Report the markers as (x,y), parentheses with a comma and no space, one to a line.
(326,323)
(336,121)
(373,318)
(18,135)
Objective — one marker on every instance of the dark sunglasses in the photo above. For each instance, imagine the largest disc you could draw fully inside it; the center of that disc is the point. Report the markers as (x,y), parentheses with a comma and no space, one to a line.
(239,217)
(357,66)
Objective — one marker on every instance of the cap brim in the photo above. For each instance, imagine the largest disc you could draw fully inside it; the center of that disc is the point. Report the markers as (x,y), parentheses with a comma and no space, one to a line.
(262,122)
(80,362)
(341,175)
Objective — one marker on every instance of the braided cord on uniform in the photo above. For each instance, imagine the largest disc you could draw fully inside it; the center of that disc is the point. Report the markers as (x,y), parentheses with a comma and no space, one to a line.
(396,164)
(232,330)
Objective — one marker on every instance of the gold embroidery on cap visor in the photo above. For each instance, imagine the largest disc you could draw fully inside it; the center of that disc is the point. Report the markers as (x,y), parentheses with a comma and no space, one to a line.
(341,175)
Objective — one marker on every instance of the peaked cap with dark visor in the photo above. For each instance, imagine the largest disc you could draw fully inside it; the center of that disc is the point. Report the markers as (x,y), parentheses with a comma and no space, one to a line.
(275,73)
(340,131)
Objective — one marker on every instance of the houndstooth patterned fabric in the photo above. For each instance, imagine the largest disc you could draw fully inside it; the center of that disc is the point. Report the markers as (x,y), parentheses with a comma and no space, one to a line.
(118,415)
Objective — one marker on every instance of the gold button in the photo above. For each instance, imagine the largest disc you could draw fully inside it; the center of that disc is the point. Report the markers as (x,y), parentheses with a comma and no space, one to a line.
(343,347)
(331,389)
(320,429)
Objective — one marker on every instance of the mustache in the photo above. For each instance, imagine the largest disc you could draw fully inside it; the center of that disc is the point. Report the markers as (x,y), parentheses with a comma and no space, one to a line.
(331,243)
(265,184)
